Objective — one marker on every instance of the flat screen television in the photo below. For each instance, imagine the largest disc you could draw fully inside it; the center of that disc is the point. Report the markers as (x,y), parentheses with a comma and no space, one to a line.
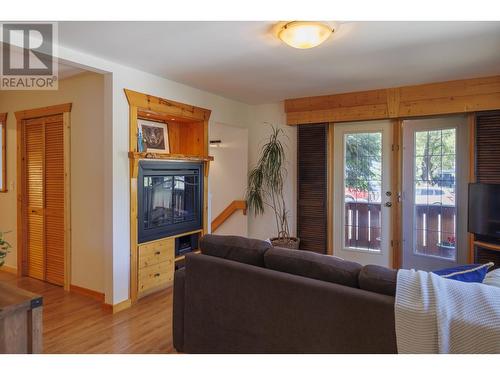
(484,210)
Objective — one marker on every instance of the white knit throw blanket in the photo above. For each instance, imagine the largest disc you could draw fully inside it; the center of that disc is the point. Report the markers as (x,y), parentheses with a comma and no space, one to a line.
(438,315)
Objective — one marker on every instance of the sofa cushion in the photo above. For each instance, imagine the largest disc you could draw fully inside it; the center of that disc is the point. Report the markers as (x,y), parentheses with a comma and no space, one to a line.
(378,279)
(239,249)
(313,265)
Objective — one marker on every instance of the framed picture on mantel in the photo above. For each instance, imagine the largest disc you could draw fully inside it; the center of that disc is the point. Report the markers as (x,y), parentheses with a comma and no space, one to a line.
(152,136)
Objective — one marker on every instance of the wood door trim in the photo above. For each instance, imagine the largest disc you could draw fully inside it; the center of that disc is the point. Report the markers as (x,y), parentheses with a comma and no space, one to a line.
(67,199)
(21,197)
(396,188)
(43,111)
(21,116)
(330,186)
(3,136)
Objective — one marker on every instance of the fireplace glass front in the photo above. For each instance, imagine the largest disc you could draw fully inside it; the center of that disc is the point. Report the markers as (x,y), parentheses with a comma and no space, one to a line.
(170,199)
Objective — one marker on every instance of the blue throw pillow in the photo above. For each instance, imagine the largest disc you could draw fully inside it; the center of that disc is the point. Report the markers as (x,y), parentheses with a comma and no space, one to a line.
(469,273)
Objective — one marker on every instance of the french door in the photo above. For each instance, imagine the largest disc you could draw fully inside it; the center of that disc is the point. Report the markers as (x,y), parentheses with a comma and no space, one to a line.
(434,196)
(362,196)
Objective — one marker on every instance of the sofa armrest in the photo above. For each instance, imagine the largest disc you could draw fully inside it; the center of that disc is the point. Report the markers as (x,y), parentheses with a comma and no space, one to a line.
(178,314)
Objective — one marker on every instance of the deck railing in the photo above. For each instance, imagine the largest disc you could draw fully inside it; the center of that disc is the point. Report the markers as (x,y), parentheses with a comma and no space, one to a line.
(434,227)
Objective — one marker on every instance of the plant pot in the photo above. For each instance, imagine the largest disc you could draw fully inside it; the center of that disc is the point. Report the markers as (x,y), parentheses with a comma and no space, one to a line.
(288,243)
(446,250)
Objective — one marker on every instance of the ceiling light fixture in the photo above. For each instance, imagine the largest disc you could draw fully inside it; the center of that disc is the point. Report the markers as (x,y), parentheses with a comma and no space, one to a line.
(305,34)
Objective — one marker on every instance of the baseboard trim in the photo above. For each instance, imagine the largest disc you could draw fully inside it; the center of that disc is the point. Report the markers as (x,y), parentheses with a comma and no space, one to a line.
(9,269)
(98,296)
(118,307)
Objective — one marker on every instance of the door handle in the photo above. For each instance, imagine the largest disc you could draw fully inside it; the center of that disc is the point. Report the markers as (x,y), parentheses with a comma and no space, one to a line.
(388,204)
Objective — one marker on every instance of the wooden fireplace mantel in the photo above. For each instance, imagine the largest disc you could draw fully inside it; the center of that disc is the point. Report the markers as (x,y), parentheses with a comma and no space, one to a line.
(135,157)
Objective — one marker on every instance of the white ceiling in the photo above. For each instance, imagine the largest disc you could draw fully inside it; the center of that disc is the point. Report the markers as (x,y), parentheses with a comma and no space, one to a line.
(244,61)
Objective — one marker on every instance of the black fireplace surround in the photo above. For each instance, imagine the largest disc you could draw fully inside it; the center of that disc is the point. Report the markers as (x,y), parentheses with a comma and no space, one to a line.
(170,198)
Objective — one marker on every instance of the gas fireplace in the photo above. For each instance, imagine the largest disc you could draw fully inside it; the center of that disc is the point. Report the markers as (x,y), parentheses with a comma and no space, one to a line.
(170,198)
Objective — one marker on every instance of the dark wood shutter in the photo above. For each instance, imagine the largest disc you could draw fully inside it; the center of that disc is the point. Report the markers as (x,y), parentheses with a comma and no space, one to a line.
(487,167)
(488,147)
(312,187)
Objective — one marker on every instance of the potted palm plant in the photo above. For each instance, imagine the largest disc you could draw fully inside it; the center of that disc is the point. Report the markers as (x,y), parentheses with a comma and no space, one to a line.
(4,248)
(265,188)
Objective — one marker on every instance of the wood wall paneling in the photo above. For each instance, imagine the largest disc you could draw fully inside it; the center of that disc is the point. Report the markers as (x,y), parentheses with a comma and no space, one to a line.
(440,98)
(312,185)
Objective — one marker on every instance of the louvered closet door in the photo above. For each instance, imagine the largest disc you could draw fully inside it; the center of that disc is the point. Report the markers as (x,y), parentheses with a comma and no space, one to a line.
(44,179)
(54,199)
(34,185)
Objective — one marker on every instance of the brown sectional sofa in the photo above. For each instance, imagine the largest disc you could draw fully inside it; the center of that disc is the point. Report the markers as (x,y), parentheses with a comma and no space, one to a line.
(244,296)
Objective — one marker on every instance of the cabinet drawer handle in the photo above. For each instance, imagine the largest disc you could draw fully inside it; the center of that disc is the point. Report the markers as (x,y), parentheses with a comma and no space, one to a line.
(157,275)
(157,253)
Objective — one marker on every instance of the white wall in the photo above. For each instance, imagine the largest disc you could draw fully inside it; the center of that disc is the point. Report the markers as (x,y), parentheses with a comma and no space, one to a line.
(228,175)
(262,117)
(258,125)
(86,93)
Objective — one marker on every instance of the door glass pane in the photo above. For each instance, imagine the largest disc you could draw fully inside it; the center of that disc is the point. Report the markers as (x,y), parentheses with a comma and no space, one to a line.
(435,186)
(362,190)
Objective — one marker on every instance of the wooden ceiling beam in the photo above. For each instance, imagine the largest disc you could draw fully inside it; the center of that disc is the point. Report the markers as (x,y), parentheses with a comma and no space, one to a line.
(459,96)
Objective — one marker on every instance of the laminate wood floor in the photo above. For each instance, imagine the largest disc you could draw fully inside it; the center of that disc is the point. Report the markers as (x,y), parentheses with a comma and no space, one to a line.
(77,324)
